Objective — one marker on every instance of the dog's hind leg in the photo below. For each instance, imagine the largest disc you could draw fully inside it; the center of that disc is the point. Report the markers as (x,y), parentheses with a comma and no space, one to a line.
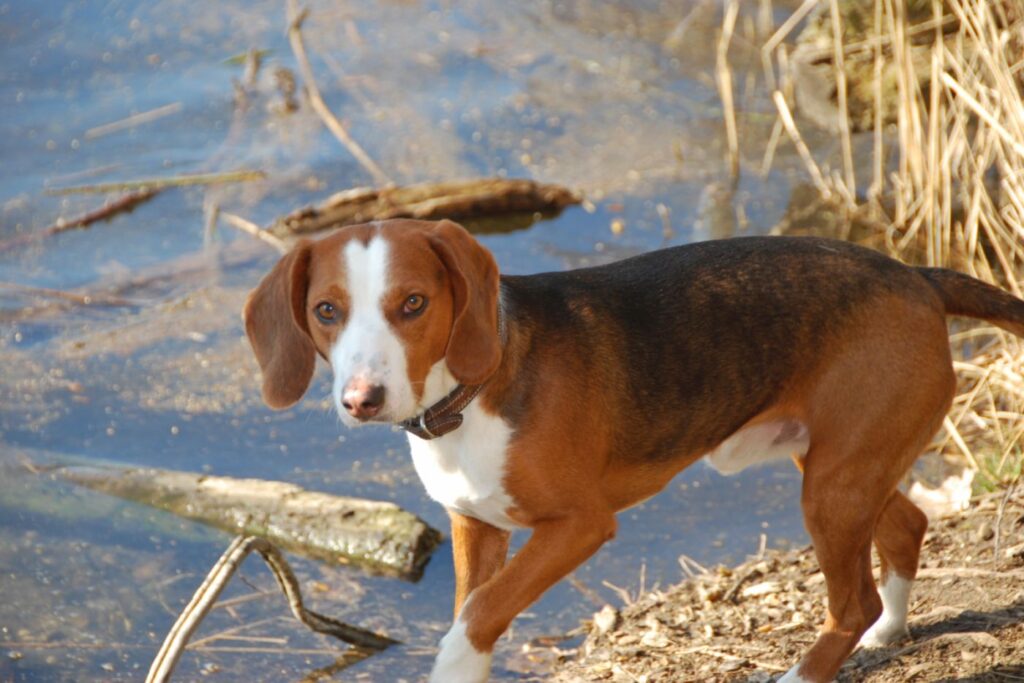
(841,532)
(898,536)
(866,429)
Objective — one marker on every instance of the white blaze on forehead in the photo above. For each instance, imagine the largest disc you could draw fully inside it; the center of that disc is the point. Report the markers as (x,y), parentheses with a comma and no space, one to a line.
(368,347)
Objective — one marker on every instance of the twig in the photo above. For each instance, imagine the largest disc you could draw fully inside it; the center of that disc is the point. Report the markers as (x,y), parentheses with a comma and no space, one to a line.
(256,231)
(295,19)
(73,297)
(801,146)
(133,120)
(747,574)
(239,176)
(623,594)
(844,115)
(687,563)
(954,434)
(229,633)
(788,25)
(201,603)
(999,518)
(723,76)
(105,212)
(983,113)
(588,592)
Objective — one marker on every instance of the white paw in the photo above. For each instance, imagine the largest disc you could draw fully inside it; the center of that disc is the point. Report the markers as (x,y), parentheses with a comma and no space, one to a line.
(883,633)
(793,676)
(892,625)
(458,661)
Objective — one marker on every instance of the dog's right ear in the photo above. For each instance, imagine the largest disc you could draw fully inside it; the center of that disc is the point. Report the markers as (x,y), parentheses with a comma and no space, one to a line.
(275,321)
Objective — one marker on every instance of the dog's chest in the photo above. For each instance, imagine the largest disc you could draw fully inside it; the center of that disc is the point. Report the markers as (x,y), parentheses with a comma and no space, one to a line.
(465,469)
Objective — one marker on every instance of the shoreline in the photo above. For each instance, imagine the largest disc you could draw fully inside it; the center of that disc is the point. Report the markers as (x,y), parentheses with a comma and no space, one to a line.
(752,622)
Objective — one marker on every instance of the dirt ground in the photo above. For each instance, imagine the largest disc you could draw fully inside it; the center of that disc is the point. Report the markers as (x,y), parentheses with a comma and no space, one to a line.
(752,622)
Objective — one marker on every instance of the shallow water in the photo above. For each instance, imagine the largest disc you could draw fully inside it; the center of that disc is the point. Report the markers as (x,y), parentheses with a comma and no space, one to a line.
(616,98)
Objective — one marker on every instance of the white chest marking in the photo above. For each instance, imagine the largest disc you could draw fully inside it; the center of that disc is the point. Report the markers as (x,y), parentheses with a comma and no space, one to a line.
(758,444)
(464,469)
(368,348)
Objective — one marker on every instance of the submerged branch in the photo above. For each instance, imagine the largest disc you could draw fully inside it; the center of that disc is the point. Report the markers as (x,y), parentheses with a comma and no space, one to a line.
(206,595)
(239,176)
(123,204)
(296,17)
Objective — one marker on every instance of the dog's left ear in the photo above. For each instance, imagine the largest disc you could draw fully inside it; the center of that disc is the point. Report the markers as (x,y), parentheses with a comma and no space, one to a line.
(275,322)
(474,348)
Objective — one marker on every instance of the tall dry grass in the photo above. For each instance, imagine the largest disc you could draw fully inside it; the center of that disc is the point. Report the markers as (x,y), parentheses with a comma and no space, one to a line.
(946,185)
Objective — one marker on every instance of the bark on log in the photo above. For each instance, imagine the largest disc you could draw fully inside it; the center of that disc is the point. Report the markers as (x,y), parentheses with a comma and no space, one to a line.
(377,536)
(468,199)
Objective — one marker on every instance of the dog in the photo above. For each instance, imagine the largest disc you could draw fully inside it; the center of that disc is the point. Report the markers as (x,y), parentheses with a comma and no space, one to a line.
(550,402)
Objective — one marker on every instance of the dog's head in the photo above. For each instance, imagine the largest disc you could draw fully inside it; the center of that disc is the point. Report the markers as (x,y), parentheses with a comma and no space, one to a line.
(400,309)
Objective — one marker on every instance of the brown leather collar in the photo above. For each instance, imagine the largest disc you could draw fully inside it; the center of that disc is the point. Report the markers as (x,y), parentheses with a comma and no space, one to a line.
(446,415)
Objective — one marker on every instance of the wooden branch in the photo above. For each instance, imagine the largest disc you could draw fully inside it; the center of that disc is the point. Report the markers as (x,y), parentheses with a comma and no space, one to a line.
(256,231)
(123,204)
(133,120)
(430,201)
(375,535)
(206,595)
(295,19)
(240,176)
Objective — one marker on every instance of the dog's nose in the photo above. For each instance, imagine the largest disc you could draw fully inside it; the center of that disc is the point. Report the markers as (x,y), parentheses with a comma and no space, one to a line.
(362,399)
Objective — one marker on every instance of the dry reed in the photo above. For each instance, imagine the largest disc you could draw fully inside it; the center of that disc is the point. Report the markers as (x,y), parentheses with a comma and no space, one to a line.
(954,196)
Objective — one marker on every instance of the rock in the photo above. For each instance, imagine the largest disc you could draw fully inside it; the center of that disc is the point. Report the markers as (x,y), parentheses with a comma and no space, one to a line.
(763,588)
(606,620)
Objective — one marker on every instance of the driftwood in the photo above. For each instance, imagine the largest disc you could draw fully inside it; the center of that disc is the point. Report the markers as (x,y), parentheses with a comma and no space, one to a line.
(365,642)
(456,199)
(122,204)
(377,536)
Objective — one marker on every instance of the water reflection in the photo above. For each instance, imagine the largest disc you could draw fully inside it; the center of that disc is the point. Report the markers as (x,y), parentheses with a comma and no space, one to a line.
(611,97)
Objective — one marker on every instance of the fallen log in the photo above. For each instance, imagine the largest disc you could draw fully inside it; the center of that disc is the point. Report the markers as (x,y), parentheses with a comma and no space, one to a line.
(479,198)
(374,535)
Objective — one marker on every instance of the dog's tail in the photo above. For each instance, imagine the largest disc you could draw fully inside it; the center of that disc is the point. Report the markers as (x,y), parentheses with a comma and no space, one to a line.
(964,295)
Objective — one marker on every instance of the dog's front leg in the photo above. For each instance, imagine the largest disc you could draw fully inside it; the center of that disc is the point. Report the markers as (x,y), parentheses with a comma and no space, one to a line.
(479,550)
(556,547)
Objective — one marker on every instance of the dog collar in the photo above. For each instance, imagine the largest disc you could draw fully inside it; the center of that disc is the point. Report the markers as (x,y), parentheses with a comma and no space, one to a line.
(446,415)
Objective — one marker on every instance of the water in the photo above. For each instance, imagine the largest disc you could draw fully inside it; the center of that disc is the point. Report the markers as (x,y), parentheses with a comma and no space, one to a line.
(616,98)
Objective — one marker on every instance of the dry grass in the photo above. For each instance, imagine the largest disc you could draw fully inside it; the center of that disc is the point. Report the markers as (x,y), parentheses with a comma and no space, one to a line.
(947,186)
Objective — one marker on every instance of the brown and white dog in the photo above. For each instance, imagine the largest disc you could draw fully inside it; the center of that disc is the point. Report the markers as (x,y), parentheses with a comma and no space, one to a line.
(552,401)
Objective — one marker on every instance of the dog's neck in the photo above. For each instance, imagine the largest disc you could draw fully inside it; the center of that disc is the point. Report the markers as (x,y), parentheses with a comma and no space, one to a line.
(445,415)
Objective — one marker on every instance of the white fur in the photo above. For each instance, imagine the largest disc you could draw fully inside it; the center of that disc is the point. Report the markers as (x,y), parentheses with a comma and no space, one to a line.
(792,676)
(892,625)
(758,444)
(458,661)
(464,469)
(368,348)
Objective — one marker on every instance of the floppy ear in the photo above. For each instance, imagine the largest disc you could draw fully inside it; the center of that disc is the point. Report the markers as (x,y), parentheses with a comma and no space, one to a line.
(275,321)
(474,349)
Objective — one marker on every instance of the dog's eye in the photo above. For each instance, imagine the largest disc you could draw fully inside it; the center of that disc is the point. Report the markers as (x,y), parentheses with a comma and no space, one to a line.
(326,312)
(414,304)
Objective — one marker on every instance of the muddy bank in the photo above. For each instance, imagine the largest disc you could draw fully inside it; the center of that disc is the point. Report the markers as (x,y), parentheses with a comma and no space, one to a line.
(752,622)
